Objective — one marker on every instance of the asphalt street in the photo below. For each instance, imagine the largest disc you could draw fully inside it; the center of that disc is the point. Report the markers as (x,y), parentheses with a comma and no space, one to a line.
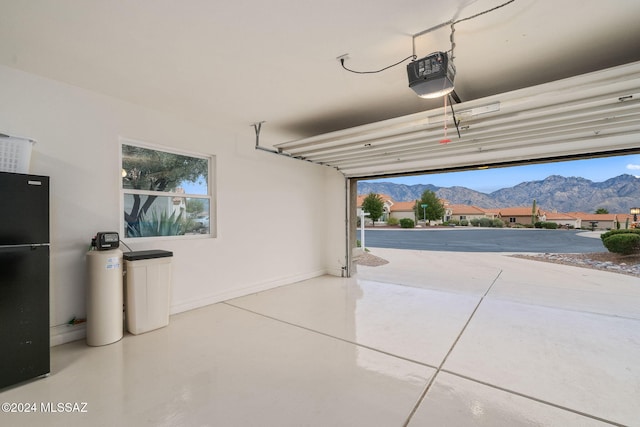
(483,240)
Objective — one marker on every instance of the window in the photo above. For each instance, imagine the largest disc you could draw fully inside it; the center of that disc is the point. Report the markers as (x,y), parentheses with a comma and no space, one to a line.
(512,219)
(463,217)
(165,193)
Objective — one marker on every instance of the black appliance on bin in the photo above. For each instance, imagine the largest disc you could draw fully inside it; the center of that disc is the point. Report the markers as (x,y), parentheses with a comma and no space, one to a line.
(24,277)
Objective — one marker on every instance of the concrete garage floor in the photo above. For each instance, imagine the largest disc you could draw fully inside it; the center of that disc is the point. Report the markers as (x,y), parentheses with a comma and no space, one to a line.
(543,344)
(429,339)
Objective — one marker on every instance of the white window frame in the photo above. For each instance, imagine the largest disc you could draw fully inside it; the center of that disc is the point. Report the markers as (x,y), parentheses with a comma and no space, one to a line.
(210,196)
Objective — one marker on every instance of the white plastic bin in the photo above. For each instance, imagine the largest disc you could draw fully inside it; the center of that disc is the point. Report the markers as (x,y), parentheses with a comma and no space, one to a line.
(15,154)
(148,290)
(104,297)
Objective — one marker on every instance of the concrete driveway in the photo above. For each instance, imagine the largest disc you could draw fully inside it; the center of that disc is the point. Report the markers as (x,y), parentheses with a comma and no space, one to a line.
(527,342)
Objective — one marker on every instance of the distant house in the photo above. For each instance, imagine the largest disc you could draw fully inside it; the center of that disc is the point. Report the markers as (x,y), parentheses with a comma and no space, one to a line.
(563,219)
(625,220)
(467,212)
(386,209)
(400,210)
(520,215)
(599,221)
(405,210)
(491,213)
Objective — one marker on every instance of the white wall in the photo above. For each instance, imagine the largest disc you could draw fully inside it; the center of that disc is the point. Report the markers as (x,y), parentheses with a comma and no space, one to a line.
(278,220)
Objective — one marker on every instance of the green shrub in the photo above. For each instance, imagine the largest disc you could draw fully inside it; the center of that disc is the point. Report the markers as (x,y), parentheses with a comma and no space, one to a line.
(623,243)
(486,222)
(407,223)
(157,225)
(464,222)
(498,223)
(545,224)
(393,221)
(608,234)
(475,222)
(454,222)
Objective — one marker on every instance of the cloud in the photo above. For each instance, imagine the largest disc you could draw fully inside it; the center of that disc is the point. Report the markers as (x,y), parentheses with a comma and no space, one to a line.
(633,167)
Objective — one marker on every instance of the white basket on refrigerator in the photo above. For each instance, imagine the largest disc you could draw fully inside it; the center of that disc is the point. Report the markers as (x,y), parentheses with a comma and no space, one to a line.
(15,154)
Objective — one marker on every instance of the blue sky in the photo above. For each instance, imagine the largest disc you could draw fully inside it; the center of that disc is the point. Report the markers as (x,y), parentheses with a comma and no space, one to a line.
(490,180)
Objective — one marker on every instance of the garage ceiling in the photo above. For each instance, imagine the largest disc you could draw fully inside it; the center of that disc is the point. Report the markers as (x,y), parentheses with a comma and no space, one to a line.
(227,65)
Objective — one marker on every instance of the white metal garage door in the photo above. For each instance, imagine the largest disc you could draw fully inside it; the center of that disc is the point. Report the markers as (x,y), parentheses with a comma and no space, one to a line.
(592,114)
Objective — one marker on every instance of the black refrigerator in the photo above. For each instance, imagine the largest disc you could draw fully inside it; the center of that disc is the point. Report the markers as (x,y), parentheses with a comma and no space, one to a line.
(24,277)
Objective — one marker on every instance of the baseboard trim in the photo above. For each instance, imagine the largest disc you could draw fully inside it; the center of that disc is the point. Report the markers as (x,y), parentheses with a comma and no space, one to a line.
(63,334)
(244,291)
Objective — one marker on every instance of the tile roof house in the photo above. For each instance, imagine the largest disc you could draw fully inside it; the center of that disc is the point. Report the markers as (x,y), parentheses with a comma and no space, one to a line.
(387,204)
(563,219)
(385,198)
(520,215)
(467,212)
(625,220)
(402,210)
(492,213)
(597,221)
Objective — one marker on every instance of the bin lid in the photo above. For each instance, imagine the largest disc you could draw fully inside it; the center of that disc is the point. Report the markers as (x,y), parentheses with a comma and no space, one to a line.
(150,254)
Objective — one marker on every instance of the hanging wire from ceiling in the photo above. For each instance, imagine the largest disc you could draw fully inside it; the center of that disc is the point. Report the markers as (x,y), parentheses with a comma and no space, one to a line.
(412,57)
(446,139)
(456,121)
(450,23)
(453,23)
(483,13)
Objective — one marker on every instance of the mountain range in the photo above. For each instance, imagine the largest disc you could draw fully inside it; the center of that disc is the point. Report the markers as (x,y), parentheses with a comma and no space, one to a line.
(554,193)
